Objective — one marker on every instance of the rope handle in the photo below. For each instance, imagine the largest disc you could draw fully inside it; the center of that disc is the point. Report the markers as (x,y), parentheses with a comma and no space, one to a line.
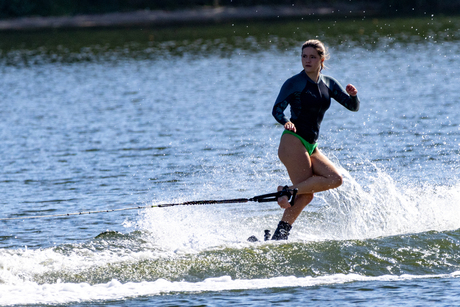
(290,193)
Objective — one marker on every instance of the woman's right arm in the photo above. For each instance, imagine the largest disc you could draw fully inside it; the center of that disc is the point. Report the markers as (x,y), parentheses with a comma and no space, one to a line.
(282,102)
(278,112)
(289,94)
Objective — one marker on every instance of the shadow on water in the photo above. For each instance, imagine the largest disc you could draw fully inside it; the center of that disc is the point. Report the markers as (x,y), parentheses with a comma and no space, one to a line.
(67,46)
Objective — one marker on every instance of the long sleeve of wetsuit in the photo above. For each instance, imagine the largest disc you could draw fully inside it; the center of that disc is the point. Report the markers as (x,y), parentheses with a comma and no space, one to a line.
(339,94)
(278,112)
(289,94)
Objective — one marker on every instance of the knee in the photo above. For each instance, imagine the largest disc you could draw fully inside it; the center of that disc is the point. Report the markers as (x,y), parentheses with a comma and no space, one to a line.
(336,180)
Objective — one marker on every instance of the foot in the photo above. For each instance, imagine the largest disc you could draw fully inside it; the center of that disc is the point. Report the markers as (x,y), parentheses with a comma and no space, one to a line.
(283,201)
(282,231)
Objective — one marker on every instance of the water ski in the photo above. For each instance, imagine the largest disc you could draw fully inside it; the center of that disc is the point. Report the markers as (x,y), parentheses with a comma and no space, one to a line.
(266,236)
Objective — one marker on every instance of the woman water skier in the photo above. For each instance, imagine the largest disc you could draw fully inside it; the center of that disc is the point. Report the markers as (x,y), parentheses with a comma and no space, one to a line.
(309,94)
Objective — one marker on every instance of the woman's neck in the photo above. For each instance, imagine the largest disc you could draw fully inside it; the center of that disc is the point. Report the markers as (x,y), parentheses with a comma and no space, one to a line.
(313,75)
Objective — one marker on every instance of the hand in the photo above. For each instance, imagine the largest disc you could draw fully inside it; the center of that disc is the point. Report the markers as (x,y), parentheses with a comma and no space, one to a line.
(351,90)
(283,201)
(290,126)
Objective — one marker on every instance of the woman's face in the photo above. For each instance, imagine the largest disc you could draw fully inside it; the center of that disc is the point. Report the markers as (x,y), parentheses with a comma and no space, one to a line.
(311,61)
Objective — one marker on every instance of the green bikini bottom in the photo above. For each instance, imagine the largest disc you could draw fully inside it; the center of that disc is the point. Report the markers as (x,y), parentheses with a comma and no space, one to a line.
(309,147)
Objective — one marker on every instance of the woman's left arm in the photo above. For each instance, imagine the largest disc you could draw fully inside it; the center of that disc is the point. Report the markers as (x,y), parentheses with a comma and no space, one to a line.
(347,97)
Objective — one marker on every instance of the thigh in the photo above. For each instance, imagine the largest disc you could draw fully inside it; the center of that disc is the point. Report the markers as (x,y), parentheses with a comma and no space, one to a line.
(295,158)
(322,166)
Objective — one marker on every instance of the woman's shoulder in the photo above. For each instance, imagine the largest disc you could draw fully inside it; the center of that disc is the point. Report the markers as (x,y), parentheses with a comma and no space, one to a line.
(296,79)
(330,81)
(294,84)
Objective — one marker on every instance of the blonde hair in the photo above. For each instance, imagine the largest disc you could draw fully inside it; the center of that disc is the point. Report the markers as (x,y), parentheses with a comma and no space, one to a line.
(319,47)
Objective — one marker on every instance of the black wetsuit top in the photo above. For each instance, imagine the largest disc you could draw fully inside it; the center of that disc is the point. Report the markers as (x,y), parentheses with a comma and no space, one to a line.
(309,101)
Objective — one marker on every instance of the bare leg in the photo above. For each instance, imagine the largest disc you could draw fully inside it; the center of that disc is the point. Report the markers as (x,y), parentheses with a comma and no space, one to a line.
(308,174)
(299,166)
(325,175)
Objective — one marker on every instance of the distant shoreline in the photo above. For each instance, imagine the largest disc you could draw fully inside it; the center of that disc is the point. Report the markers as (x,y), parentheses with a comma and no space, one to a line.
(181,17)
